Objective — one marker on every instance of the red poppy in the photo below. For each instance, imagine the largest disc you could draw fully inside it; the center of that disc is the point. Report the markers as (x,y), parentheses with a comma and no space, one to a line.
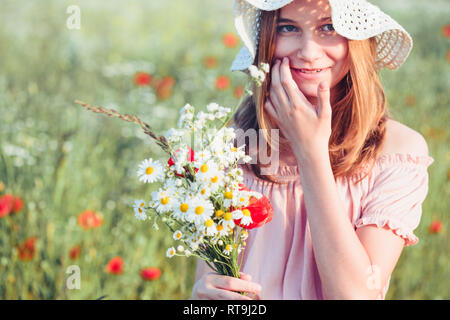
(164,87)
(142,79)
(27,249)
(150,273)
(222,83)
(238,91)
(210,62)
(115,266)
(435,227)
(75,252)
(190,158)
(446,31)
(261,211)
(6,205)
(230,40)
(89,219)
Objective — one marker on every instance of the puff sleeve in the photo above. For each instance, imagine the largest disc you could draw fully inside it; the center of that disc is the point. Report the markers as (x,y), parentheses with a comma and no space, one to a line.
(395,195)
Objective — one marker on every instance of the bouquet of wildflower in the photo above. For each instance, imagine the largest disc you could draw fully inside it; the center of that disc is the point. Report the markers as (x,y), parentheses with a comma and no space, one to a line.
(201,198)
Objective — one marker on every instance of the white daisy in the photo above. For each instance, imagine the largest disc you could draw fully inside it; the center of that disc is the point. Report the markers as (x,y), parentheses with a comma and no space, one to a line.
(227,220)
(246,217)
(139,209)
(206,170)
(182,209)
(202,210)
(244,234)
(170,252)
(177,235)
(221,231)
(150,171)
(228,249)
(212,107)
(201,189)
(202,155)
(209,228)
(193,242)
(163,200)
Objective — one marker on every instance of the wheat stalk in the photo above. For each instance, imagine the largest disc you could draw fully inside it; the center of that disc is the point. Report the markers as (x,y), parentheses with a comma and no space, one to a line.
(161,140)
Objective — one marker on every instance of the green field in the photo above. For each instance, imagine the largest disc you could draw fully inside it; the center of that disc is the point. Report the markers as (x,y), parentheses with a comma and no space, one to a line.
(62,160)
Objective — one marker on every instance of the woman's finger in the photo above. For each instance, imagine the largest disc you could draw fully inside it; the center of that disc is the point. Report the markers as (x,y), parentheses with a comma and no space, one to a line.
(268,106)
(277,92)
(294,94)
(219,294)
(235,284)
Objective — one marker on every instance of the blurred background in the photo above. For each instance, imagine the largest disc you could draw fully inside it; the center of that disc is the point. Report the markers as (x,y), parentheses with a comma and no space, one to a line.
(68,176)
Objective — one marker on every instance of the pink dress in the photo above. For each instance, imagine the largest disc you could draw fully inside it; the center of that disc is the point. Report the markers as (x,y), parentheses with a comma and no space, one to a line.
(279,255)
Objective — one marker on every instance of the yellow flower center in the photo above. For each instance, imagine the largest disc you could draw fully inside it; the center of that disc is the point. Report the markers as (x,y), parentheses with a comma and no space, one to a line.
(219,213)
(142,204)
(140,210)
(204,168)
(184,207)
(241,199)
(215,179)
(229,195)
(234,149)
(203,191)
(179,235)
(228,215)
(219,227)
(199,210)
(209,223)
(165,200)
(149,170)
(246,212)
(228,247)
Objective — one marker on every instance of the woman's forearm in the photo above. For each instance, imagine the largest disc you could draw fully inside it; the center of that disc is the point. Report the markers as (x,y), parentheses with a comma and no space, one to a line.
(341,258)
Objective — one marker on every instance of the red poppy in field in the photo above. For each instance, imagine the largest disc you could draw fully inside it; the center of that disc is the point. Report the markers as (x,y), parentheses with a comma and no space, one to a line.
(261,211)
(115,266)
(89,219)
(230,40)
(164,87)
(238,91)
(27,249)
(435,227)
(222,83)
(151,273)
(210,62)
(142,79)
(6,204)
(190,158)
(75,252)
(445,30)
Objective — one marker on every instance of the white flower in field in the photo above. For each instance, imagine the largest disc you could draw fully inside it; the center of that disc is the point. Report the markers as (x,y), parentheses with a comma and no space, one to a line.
(221,231)
(163,200)
(242,199)
(150,171)
(217,182)
(212,107)
(237,214)
(183,208)
(180,248)
(203,155)
(170,252)
(264,67)
(256,74)
(200,188)
(228,249)
(209,228)
(139,209)
(177,235)
(193,242)
(206,170)
(202,210)
(227,220)
(174,135)
(187,109)
(244,234)
(246,217)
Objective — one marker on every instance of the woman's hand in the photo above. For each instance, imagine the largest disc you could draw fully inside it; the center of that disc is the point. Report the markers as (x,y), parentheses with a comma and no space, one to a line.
(213,286)
(308,130)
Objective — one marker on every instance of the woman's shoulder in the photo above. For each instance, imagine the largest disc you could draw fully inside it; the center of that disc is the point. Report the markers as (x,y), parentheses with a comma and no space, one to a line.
(401,139)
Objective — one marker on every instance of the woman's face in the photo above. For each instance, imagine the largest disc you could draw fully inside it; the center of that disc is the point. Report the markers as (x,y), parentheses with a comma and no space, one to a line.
(306,36)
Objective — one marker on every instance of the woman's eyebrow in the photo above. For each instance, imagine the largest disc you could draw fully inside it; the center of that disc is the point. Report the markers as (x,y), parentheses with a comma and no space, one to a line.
(286,20)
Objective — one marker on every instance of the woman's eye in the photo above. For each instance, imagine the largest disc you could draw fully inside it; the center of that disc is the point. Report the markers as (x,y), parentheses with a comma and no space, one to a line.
(331,26)
(286,28)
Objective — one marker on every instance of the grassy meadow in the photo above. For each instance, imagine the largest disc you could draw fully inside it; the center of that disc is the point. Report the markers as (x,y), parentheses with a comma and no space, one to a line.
(61,160)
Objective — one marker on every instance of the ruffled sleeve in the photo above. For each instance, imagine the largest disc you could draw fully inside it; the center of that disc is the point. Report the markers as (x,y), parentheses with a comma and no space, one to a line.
(395,194)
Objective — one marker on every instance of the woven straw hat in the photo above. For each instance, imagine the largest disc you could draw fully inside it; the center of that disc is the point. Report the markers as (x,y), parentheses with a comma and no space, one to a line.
(352,19)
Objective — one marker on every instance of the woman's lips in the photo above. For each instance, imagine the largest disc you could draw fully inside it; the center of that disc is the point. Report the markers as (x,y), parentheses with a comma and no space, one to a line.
(308,76)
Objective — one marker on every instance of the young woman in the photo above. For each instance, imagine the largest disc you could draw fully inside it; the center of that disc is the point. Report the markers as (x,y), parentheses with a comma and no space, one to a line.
(348,191)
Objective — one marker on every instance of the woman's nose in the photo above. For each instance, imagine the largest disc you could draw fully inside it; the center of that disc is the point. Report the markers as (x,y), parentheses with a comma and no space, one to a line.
(309,49)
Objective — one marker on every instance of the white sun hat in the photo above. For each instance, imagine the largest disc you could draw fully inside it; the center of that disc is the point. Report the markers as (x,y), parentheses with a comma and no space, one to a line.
(352,19)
